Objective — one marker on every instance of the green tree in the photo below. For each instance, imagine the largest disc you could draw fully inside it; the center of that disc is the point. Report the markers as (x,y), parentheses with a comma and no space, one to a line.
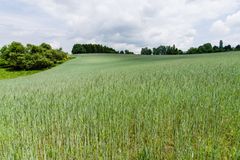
(78,49)
(146,51)
(228,48)
(162,50)
(155,51)
(92,48)
(128,52)
(173,50)
(237,48)
(121,52)
(221,45)
(193,51)
(206,48)
(216,49)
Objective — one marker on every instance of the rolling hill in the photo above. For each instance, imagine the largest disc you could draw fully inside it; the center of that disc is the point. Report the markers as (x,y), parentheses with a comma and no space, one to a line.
(125,107)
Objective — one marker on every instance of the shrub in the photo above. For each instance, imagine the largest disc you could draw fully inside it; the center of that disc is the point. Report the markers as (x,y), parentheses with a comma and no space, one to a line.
(39,61)
(31,57)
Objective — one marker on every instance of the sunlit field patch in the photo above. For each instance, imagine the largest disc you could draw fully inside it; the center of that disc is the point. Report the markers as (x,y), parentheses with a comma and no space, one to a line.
(6,74)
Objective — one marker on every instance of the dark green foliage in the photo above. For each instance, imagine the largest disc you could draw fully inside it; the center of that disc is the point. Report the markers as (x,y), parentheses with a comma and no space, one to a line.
(146,51)
(91,48)
(96,48)
(173,50)
(121,52)
(228,48)
(155,51)
(162,50)
(192,51)
(237,48)
(78,49)
(221,44)
(207,48)
(128,52)
(125,52)
(216,49)
(32,57)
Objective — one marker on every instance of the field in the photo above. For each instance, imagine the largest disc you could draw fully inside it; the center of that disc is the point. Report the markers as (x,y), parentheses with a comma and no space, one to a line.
(124,107)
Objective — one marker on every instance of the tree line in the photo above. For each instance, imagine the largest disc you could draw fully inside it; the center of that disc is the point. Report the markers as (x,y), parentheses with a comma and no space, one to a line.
(205,48)
(162,50)
(209,48)
(96,48)
(16,56)
(91,48)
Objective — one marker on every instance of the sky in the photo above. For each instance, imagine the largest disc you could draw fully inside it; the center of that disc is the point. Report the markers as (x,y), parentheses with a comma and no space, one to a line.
(122,24)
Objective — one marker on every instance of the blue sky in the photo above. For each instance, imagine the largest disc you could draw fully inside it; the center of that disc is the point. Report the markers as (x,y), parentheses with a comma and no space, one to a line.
(122,24)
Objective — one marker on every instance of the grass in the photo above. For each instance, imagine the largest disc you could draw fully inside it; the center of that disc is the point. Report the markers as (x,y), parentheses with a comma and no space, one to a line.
(6,74)
(125,107)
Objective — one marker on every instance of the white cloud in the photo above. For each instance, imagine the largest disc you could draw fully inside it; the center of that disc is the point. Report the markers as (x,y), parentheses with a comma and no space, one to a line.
(124,24)
(220,28)
(233,20)
(228,29)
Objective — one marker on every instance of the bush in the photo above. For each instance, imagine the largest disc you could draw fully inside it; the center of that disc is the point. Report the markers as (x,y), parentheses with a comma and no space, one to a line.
(56,56)
(39,61)
(31,57)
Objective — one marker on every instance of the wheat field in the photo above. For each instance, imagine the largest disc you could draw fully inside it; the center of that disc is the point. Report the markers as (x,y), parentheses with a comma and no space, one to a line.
(124,107)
